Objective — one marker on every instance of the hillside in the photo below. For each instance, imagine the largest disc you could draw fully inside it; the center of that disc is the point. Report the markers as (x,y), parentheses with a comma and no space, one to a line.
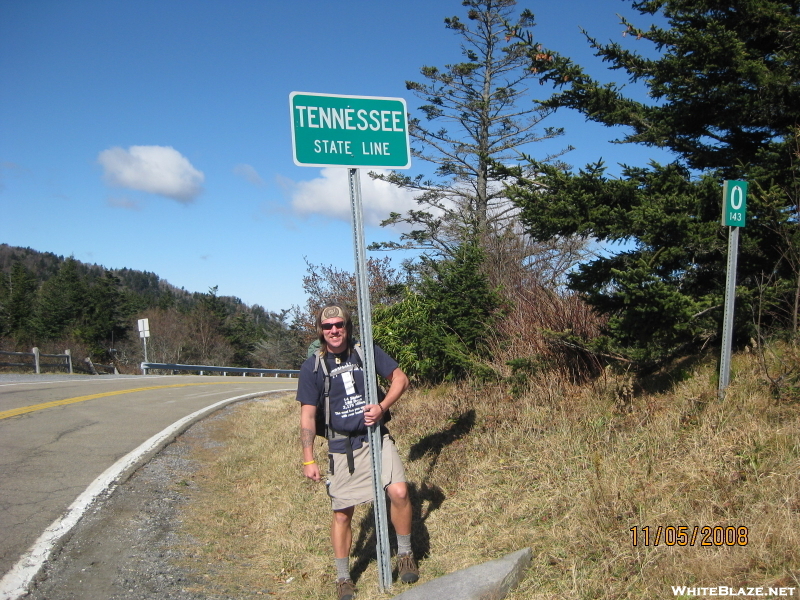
(57,302)
(147,285)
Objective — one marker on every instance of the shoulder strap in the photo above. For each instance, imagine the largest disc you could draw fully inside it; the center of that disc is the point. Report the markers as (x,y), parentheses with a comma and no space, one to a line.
(319,362)
(359,352)
(326,390)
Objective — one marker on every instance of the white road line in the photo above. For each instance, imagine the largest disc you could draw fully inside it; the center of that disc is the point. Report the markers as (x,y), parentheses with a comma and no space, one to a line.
(16,581)
(81,380)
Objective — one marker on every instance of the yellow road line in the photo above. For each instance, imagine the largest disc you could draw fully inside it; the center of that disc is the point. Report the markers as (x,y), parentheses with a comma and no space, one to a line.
(34,407)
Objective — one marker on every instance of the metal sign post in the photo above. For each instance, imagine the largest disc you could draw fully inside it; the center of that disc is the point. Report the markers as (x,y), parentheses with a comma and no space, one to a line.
(375,439)
(356,131)
(734,209)
(144,333)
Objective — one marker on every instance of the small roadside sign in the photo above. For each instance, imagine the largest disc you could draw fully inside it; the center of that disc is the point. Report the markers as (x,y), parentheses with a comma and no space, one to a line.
(349,131)
(144,333)
(734,205)
(144,328)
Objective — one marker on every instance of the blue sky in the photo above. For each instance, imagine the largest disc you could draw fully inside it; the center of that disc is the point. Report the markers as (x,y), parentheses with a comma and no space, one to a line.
(197,91)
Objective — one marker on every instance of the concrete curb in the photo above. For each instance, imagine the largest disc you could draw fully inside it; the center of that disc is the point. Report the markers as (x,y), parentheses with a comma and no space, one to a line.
(16,581)
(488,581)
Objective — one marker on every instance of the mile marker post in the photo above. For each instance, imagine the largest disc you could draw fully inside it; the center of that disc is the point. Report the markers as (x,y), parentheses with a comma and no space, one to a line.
(356,131)
(734,210)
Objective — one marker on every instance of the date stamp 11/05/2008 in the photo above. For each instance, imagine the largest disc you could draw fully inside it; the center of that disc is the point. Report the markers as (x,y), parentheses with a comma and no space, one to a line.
(686,535)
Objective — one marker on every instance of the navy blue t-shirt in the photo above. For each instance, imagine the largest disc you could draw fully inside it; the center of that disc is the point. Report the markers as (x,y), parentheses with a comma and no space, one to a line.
(347,393)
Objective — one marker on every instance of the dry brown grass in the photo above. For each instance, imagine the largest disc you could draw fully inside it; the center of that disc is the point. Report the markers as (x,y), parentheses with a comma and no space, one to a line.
(565,470)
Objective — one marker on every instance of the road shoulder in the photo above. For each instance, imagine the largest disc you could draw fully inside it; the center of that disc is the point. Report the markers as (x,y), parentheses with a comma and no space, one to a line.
(127,545)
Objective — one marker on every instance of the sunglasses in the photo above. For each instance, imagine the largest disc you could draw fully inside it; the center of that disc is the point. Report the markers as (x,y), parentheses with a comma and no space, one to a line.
(329,326)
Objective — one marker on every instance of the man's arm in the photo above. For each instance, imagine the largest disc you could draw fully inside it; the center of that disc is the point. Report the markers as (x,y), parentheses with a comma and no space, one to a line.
(399,384)
(308,429)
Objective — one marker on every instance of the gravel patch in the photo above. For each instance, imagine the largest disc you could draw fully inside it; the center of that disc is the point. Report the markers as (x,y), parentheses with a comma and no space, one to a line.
(128,546)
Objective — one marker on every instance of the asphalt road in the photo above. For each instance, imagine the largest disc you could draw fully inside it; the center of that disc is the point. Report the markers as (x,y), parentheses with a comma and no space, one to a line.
(58,433)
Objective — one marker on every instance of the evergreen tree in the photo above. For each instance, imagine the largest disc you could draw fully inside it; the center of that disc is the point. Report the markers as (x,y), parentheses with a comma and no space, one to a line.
(61,302)
(437,333)
(460,295)
(472,118)
(105,316)
(208,344)
(243,335)
(17,297)
(726,100)
(724,88)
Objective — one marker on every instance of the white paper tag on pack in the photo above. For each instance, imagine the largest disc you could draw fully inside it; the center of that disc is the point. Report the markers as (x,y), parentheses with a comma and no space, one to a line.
(349,384)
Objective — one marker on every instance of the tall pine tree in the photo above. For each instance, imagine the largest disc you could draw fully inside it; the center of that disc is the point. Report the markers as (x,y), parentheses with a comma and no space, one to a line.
(17,300)
(105,314)
(474,115)
(61,303)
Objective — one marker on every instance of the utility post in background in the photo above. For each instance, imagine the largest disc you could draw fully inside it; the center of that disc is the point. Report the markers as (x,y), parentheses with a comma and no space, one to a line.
(734,211)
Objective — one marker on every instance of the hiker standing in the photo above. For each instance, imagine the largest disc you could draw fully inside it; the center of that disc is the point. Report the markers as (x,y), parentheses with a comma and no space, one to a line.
(335,371)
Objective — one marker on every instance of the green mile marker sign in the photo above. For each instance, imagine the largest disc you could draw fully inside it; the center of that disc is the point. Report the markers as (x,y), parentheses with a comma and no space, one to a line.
(734,203)
(349,131)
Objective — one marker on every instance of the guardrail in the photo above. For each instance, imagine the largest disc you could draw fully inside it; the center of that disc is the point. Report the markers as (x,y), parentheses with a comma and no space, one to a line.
(93,367)
(146,366)
(37,364)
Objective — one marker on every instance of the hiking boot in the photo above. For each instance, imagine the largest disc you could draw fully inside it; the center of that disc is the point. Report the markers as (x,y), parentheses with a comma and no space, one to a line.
(345,590)
(407,568)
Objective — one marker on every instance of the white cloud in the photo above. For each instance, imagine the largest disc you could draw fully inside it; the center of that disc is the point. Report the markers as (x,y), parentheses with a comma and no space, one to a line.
(158,170)
(249,173)
(329,195)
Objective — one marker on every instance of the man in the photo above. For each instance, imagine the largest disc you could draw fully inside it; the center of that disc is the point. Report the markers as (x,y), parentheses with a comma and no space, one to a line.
(349,462)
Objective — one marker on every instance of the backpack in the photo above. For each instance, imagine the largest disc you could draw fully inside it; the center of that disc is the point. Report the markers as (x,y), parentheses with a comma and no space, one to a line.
(323,417)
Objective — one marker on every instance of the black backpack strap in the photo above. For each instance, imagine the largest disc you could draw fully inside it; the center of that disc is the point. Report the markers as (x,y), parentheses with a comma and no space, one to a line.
(326,392)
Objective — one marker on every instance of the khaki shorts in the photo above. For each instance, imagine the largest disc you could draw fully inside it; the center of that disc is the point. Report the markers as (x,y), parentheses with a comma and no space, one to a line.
(348,490)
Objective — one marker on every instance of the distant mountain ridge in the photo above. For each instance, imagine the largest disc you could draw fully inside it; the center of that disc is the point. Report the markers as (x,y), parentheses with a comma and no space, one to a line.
(50,300)
(148,286)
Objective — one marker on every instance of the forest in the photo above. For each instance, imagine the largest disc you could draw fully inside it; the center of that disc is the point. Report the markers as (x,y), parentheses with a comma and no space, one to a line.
(53,303)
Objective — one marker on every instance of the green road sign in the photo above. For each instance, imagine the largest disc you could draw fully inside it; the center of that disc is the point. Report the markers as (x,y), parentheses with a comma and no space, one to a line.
(734,203)
(349,131)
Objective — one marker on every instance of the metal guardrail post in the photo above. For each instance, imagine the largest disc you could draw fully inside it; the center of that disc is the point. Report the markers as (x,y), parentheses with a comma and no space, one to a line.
(69,359)
(36,359)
